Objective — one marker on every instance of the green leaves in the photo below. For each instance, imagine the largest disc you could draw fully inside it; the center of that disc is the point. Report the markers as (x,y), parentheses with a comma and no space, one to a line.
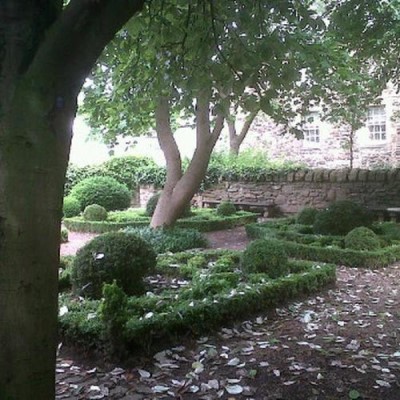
(246,52)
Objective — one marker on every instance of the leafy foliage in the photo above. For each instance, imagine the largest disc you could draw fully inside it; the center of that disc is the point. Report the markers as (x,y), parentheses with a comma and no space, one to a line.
(76,174)
(265,256)
(152,204)
(248,166)
(104,191)
(204,220)
(226,208)
(341,217)
(324,248)
(209,298)
(362,238)
(128,170)
(112,256)
(94,212)
(177,49)
(307,216)
(71,207)
(64,235)
(170,240)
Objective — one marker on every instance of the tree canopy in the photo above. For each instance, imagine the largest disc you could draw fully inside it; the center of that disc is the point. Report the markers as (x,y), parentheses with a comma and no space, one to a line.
(250,54)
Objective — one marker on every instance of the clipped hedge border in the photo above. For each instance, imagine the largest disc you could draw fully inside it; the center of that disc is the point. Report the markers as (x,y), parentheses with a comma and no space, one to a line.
(78,225)
(348,257)
(202,225)
(205,315)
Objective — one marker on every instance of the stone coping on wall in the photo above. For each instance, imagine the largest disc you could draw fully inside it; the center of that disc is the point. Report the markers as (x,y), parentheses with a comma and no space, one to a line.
(333,175)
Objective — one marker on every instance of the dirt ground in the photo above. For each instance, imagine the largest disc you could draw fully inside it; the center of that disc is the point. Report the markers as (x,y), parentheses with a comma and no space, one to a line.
(343,343)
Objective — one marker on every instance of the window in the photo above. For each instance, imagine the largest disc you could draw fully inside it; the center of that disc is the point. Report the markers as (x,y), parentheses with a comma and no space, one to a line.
(311,129)
(376,123)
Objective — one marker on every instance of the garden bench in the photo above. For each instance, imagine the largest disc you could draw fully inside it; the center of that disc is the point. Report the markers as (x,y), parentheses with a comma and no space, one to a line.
(393,213)
(240,205)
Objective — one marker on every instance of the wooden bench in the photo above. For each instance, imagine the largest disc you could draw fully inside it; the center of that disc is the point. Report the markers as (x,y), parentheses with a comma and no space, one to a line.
(240,205)
(394,213)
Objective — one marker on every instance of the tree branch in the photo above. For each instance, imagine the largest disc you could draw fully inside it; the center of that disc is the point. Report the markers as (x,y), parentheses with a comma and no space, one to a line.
(167,143)
(76,40)
(246,126)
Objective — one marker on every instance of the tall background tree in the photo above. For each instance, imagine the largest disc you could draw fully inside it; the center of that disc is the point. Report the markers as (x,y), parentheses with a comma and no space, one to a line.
(197,60)
(46,52)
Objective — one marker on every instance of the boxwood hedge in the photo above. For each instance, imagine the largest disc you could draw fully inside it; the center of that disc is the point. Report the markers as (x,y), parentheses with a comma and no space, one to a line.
(207,299)
(327,250)
(207,222)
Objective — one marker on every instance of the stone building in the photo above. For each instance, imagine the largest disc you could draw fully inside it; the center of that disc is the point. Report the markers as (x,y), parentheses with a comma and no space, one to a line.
(326,146)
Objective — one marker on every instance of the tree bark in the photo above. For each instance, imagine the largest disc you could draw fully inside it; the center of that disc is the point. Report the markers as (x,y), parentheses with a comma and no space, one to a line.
(179,188)
(235,139)
(41,74)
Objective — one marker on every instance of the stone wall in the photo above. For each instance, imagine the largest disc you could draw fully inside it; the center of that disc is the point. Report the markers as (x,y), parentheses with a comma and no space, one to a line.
(145,192)
(293,191)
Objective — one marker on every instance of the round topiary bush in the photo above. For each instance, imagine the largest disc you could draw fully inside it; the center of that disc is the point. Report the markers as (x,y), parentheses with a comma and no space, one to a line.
(118,256)
(152,204)
(265,256)
(104,191)
(71,207)
(94,212)
(341,217)
(226,208)
(362,238)
(307,216)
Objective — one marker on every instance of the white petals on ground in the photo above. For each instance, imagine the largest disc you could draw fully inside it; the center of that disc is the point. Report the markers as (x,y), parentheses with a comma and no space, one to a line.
(144,374)
(234,389)
(342,343)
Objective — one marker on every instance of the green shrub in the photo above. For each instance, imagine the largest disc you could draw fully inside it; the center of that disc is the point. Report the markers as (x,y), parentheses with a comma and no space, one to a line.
(113,313)
(362,238)
(112,256)
(64,235)
(76,174)
(265,257)
(341,217)
(64,273)
(126,169)
(94,212)
(226,208)
(152,204)
(104,191)
(170,240)
(307,216)
(71,207)
(389,230)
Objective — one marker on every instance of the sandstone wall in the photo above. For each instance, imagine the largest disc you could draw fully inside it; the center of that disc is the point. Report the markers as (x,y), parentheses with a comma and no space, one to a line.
(291,192)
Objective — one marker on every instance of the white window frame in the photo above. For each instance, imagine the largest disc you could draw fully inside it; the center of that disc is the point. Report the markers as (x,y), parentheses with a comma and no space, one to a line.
(312,130)
(376,124)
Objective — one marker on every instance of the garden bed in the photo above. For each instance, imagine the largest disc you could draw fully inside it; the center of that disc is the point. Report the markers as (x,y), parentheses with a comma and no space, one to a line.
(202,219)
(190,293)
(323,247)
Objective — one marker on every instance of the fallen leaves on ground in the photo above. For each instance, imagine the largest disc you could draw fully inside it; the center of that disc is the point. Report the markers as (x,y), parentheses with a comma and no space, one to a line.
(343,343)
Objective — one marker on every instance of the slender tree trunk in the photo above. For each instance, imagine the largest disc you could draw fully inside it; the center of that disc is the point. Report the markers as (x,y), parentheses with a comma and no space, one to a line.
(34,150)
(351,147)
(179,188)
(235,139)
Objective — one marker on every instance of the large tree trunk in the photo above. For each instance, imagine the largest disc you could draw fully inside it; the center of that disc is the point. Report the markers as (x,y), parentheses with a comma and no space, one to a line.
(45,55)
(179,188)
(34,157)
